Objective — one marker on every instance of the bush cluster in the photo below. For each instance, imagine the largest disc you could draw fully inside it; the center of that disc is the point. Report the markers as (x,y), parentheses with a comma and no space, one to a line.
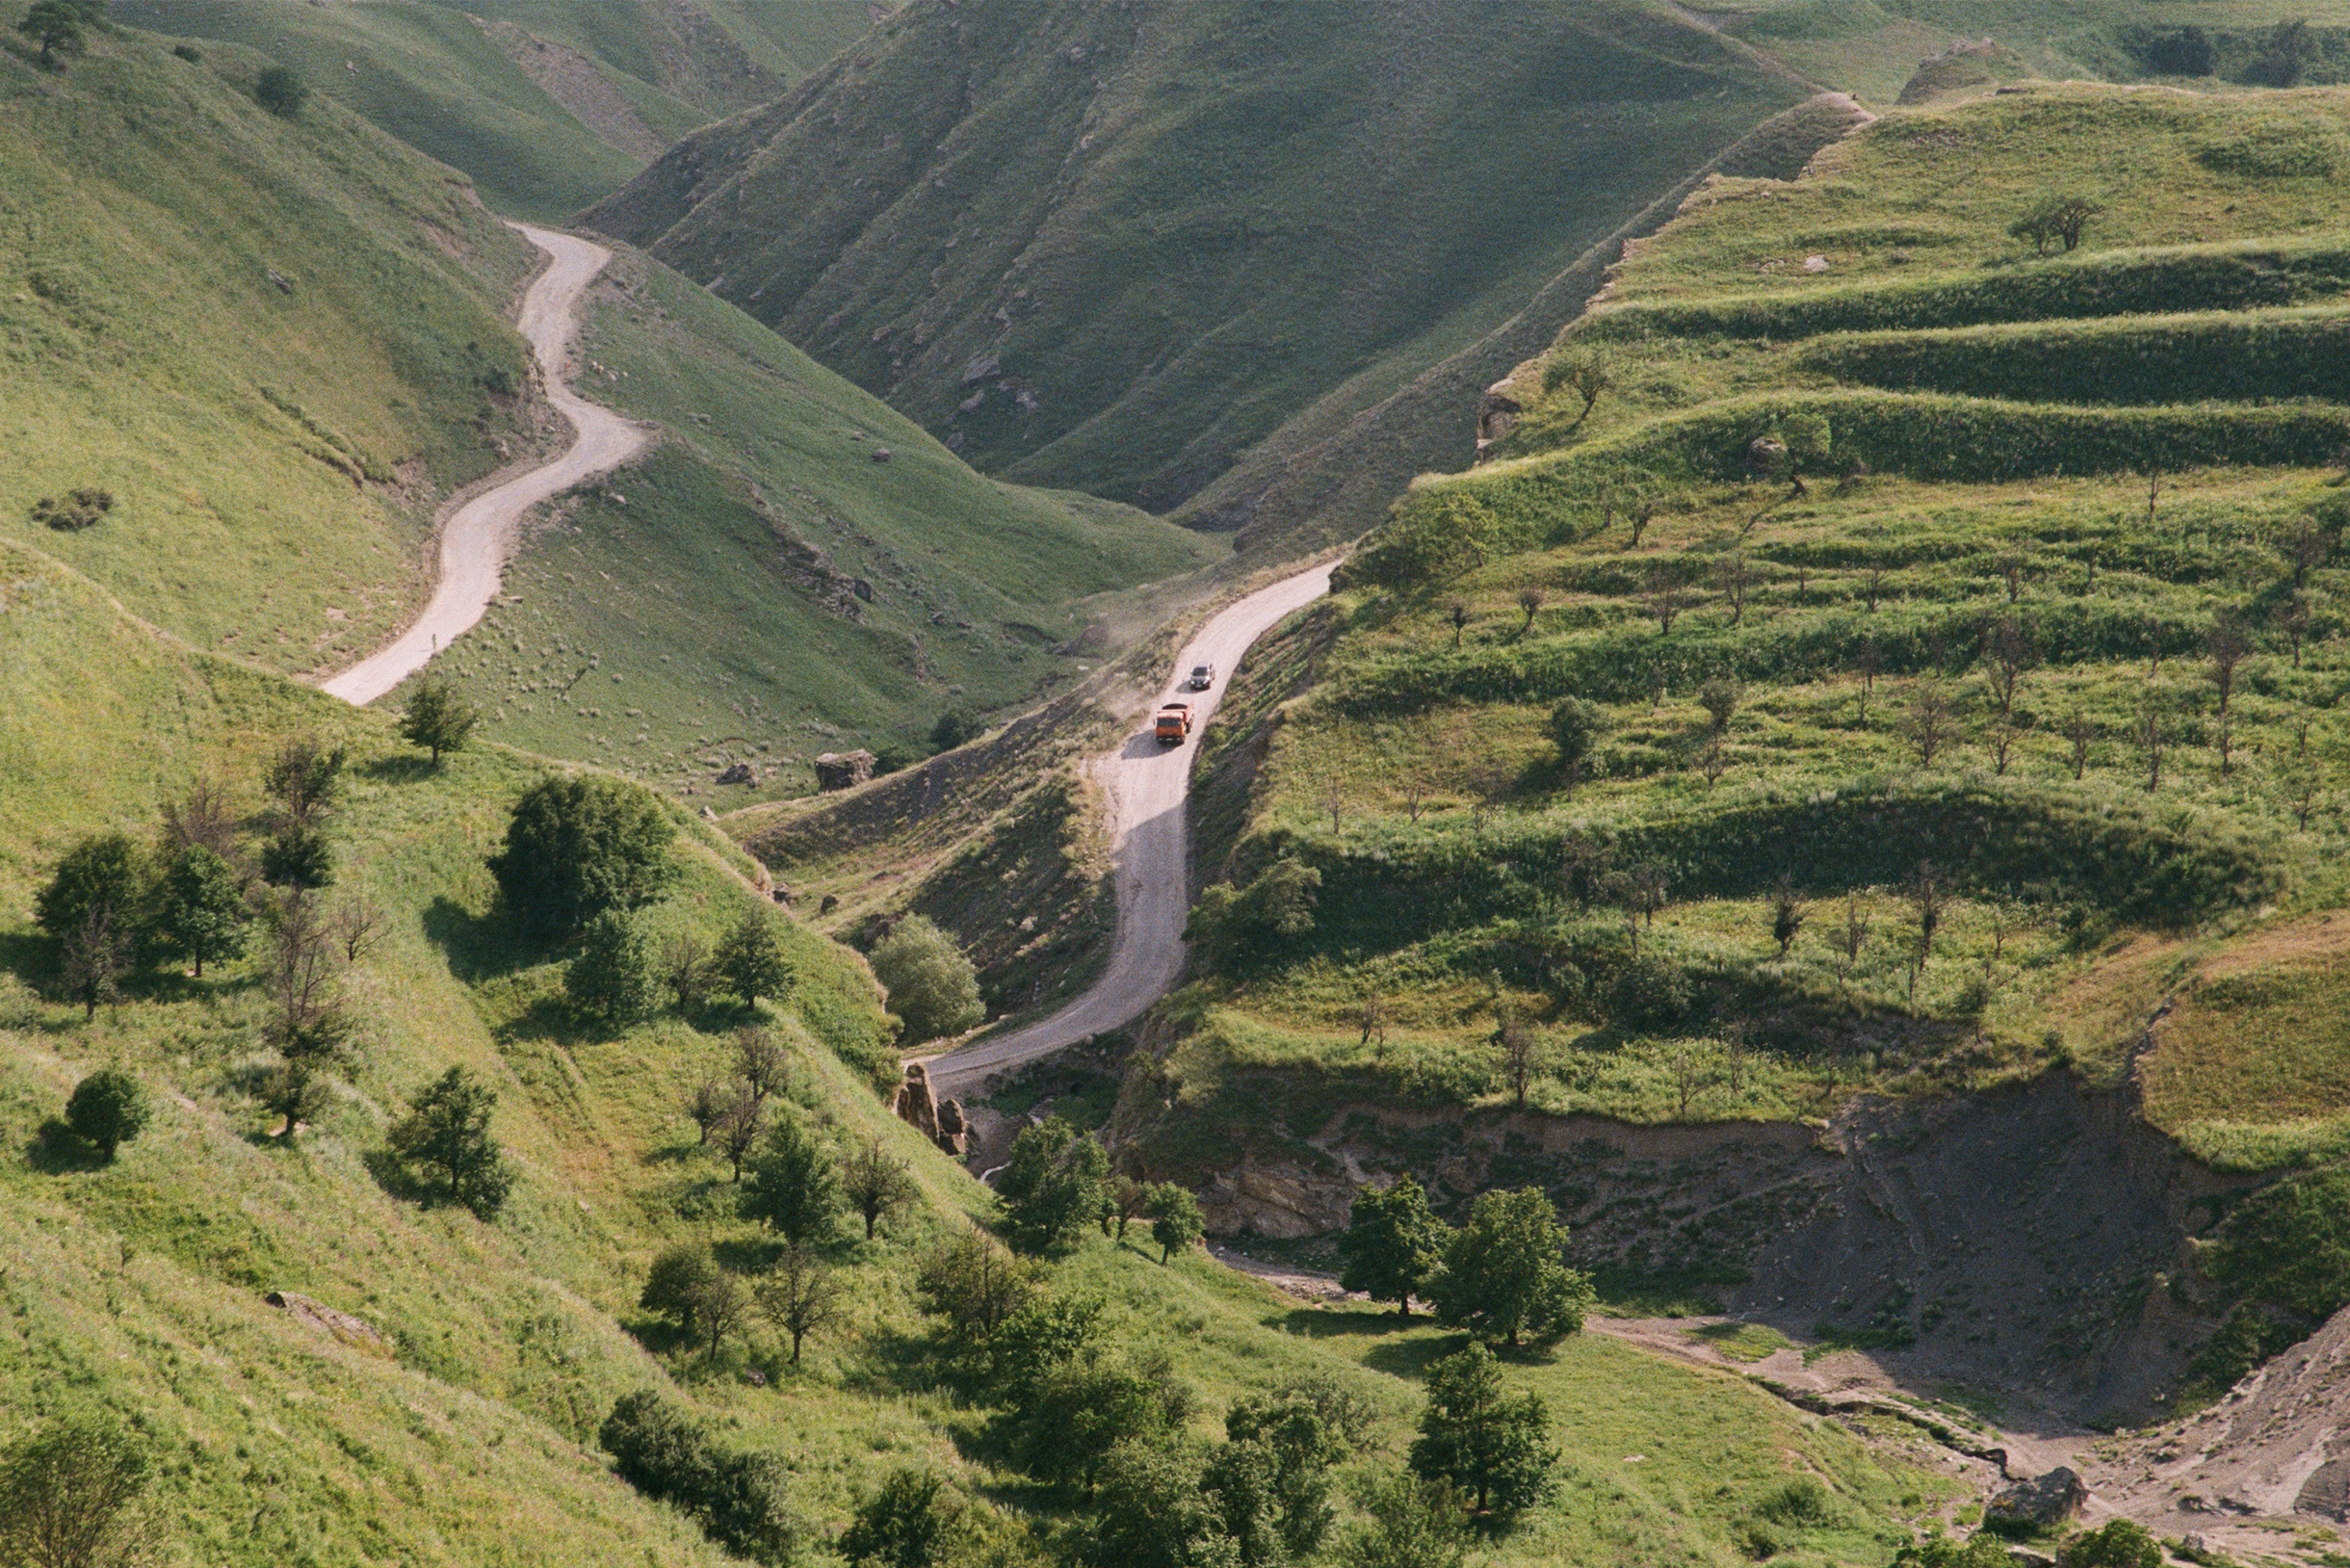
(740,1499)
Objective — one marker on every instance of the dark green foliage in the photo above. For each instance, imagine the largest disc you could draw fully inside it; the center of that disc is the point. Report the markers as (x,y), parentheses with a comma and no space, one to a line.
(1393,1243)
(203,913)
(108,1108)
(975,1286)
(1285,1443)
(1154,1511)
(907,1523)
(71,1494)
(2180,51)
(931,985)
(1063,1422)
(578,846)
(437,719)
(875,1183)
(1492,1444)
(686,1286)
(1799,1503)
(1175,1218)
(2284,56)
(84,507)
(798,1295)
(1983,1550)
(613,975)
(1412,1523)
(1055,1185)
(444,1140)
(2118,1543)
(1649,995)
(1575,728)
(750,959)
(2290,1245)
(188,52)
(280,90)
(105,876)
(792,1185)
(1505,1274)
(953,728)
(58,26)
(741,1500)
(303,779)
(2057,221)
(298,855)
(1235,927)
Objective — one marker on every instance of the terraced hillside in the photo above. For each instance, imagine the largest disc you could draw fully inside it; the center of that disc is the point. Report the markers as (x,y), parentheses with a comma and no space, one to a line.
(435,1387)
(1916,670)
(547,105)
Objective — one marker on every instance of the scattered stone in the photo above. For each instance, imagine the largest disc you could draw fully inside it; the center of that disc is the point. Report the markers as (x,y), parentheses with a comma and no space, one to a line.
(2042,1502)
(740,772)
(1814,263)
(280,280)
(754,1378)
(708,815)
(862,589)
(844,769)
(357,1332)
(2023,1556)
(832,901)
(781,895)
(1765,455)
(881,454)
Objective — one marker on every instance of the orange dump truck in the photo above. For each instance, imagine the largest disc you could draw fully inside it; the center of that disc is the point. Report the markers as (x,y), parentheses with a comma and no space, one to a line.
(1174,724)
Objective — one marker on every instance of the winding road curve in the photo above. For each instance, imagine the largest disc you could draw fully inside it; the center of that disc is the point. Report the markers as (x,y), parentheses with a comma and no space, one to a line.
(1148,787)
(477,538)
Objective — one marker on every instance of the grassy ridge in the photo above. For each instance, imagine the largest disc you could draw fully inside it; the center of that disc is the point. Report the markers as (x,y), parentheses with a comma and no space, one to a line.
(274,451)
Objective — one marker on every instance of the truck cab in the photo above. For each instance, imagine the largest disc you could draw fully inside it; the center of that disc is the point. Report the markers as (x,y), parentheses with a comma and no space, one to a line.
(1174,724)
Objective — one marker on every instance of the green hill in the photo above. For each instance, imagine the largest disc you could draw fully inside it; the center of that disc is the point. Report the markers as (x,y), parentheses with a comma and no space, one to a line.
(1950,643)
(546,105)
(451,1415)
(1123,250)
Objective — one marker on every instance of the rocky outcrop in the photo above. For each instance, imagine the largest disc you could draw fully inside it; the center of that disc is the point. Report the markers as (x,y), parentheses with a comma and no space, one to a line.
(941,1122)
(357,1332)
(1496,414)
(844,769)
(2042,1502)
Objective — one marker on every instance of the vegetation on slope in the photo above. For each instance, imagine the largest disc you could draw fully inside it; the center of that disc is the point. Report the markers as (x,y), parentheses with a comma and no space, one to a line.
(1748,737)
(1130,245)
(547,105)
(272,344)
(440,1386)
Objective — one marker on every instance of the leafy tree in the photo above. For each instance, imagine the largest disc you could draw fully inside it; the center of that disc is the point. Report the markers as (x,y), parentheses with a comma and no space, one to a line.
(1786,916)
(613,974)
(93,956)
(1575,728)
(2284,56)
(1053,1184)
(303,779)
(687,1286)
(106,875)
(1490,1444)
(1155,1511)
(298,856)
(437,719)
(308,1025)
(281,91)
(907,1523)
(1504,1273)
(2118,1543)
(750,959)
(952,729)
(706,1105)
(794,1188)
(72,1495)
(932,985)
(59,25)
(875,1183)
(741,1500)
(108,1108)
(684,969)
(1580,371)
(1413,1523)
(1175,1218)
(1985,1550)
(1066,1418)
(2182,51)
(445,1140)
(1285,1442)
(1393,1244)
(202,912)
(742,1118)
(578,846)
(975,1285)
(800,1297)
(762,1064)
(1230,926)
(2057,221)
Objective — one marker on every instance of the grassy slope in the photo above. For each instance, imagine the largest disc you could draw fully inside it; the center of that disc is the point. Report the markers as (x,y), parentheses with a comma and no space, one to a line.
(2039,961)
(148,354)
(138,1285)
(1169,243)
(439,79)
(712,588)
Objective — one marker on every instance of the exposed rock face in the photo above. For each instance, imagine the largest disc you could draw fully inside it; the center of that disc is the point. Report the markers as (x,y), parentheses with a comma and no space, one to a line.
(844,769)
(918,1107)
(740,772)
(2044,1501)
(1495,416)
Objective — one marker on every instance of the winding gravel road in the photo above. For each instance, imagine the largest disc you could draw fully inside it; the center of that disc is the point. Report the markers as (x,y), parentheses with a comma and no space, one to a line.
(1148,785)
(477,538)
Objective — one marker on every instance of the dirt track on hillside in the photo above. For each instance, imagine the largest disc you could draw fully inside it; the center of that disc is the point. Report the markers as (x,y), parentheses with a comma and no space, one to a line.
(1148,785)
(477,539)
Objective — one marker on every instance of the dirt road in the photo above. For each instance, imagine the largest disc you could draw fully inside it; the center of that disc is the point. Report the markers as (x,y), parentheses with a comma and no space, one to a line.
(477,538)
(1147,785)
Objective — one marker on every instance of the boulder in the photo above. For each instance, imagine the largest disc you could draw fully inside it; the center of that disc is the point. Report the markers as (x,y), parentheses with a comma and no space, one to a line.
(844,769)
(953,1128)
(1494,416)
(740,772)
(357,1332)
(918,1107)
(2042,1502)
(881,454)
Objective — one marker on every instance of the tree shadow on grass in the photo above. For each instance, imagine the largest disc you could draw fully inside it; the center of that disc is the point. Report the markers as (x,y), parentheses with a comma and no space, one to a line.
(1323,1323)
(57,1150)
(401,768)
(1412,1357)
(481,947)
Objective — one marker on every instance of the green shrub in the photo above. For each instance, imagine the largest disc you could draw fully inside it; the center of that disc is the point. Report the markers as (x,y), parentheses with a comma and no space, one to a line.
(741,1500)
(2290,1245)
(578,846)
(74,1492)
(932,986)
(1801,1502)
(444,1142)
(2118,1543)
(108,1108)
(613,974)
(281,91)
